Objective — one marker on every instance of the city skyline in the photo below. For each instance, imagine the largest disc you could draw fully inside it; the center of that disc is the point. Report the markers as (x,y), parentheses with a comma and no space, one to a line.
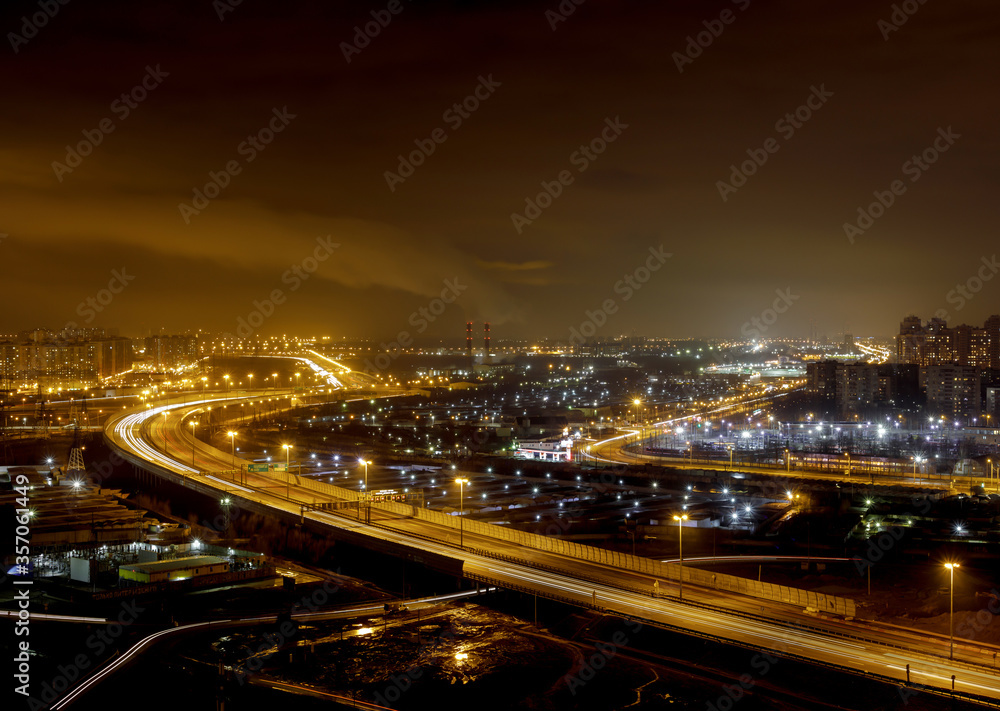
(680,184)
(577,354)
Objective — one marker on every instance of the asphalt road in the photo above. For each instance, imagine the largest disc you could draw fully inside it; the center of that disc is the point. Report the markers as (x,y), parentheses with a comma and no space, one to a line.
(853,645)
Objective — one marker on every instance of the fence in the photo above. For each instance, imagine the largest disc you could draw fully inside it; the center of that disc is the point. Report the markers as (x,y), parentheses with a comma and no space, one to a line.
(550,544)
(635,564)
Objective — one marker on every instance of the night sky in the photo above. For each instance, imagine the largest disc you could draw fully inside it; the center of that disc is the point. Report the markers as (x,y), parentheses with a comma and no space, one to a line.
(880,94)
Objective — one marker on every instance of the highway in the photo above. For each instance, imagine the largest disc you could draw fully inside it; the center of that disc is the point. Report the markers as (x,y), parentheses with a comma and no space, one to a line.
(612,450)
(165,442)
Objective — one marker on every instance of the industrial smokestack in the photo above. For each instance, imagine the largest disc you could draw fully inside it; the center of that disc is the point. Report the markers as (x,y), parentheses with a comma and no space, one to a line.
(486,338)
(468,337)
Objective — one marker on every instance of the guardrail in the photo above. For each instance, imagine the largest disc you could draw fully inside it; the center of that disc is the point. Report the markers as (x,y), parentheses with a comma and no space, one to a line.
(636,564)
(885,679)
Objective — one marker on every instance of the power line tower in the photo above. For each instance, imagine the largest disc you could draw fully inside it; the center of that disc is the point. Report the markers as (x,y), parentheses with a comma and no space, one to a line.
(75,468)
(78,415)
(74,412)
(42,416)
(85,419)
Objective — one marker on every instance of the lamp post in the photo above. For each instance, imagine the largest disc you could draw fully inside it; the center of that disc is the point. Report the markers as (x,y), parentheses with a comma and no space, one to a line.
(288,476)
(250,377)
(461,504)
(274,381)
(226,378)
(193,424)
(951,616)
(680,549)
(368,500)
(232,439)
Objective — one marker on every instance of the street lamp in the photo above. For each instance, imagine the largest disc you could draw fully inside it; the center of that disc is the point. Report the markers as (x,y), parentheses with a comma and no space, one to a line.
(461,503)
(226,378)
(232,438)
(193,424)
(288,476)
(164,413)
(274,381)
(951,621)
(250,376)
(680,549)
(368,501)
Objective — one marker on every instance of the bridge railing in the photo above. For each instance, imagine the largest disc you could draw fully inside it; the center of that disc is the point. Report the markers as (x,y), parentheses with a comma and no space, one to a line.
(635,564)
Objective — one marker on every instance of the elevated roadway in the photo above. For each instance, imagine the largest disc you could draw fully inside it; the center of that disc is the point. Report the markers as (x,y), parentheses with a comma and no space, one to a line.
(157,440)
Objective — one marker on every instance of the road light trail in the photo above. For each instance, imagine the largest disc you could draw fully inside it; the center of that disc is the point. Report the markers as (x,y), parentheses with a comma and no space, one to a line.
(146,642)
(867,652)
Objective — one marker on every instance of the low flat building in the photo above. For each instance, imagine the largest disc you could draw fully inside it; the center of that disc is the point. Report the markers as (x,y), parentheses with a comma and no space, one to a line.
(175,569)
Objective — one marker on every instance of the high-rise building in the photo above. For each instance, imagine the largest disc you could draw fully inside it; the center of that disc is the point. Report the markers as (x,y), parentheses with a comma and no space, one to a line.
(171,351)
(856,387)
(937,344)
(821,379)
(43,359)
(953,389)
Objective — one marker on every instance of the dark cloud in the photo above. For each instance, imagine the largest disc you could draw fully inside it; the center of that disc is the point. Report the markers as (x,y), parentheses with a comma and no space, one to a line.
(656,184)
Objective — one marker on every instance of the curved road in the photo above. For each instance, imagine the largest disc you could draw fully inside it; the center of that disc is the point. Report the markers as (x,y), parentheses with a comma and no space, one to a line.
(162,441)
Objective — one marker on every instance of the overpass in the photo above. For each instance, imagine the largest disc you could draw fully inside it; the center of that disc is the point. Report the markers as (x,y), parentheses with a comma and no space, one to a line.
(158,441)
